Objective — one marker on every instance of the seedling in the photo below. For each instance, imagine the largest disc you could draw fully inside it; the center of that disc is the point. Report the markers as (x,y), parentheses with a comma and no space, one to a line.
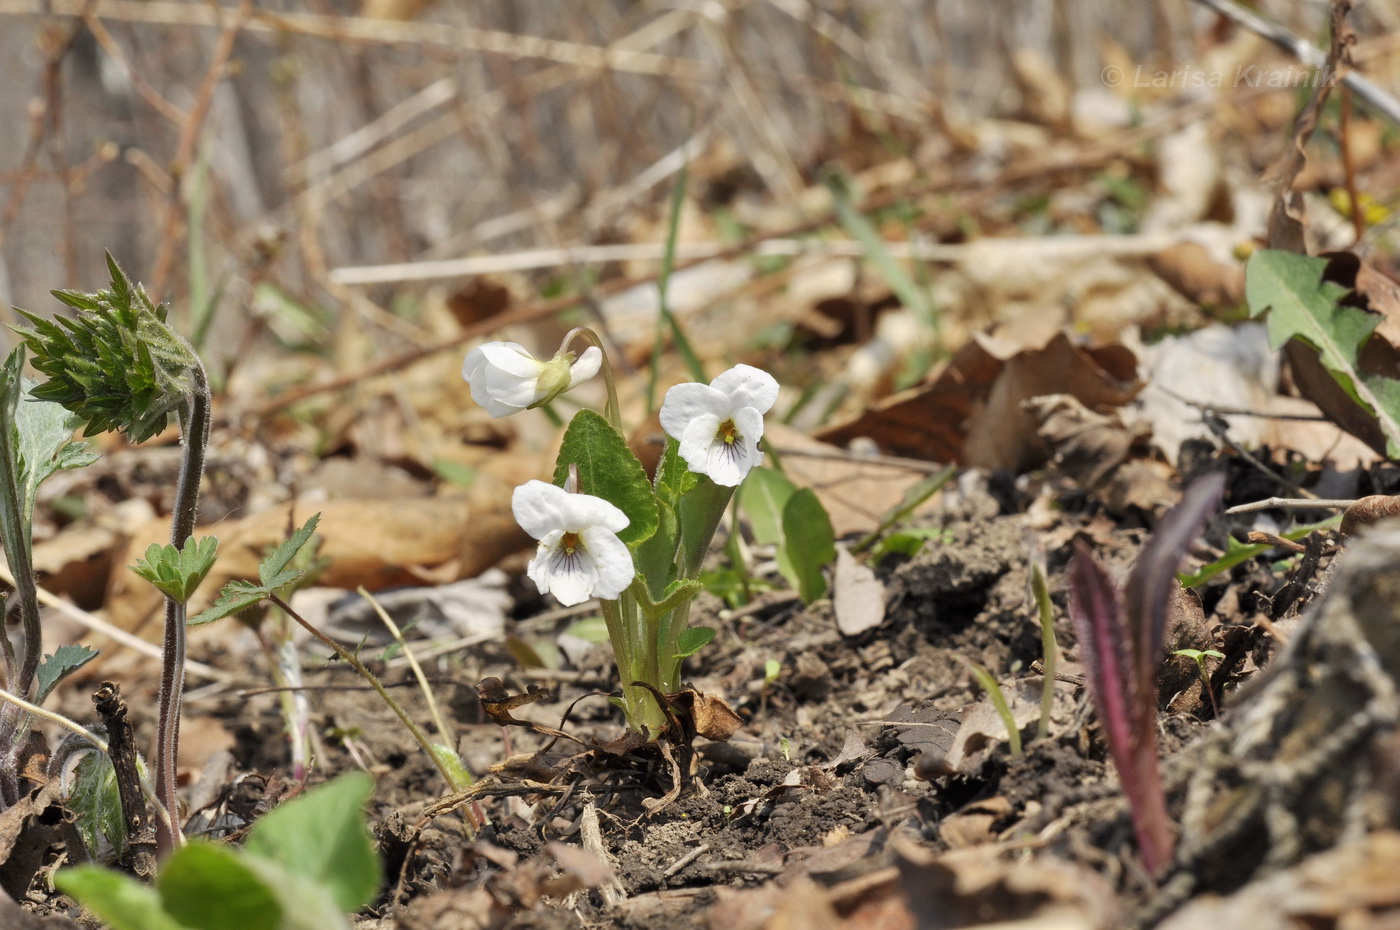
(1199,656)
(1040,593)
(304,867)
(989,684)
(118,366)
(1121,638)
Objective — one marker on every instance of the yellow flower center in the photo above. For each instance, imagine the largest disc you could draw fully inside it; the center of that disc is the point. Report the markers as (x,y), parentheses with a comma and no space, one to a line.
(569,543)
(729,432)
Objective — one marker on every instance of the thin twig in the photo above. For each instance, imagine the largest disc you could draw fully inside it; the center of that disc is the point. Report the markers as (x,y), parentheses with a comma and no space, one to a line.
(1309,54)
(1274,503)
(52,717)
(130,640)
(185,147)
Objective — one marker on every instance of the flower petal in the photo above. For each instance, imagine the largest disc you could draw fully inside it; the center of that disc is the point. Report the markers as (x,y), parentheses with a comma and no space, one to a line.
(748,386)
(582,511)
(586,367)
(570,578)
(729,462)
(698,438)
(612,562)
(540,508)
(685,402)
(511,357)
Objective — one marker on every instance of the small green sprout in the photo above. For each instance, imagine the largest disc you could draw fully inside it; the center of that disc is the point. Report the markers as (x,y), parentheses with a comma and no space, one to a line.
(1199,656)
(176,572)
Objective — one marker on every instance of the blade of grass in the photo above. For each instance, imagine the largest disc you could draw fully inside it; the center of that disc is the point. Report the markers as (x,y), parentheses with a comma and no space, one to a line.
(666,319)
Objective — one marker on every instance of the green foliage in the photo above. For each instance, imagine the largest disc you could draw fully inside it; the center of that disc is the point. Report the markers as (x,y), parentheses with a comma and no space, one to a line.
(1303,306)
(95,801)
(176,573)
(989,685)
(692,640)
(811,544)
(54,668)
(1237,552)
(305,866)
(36,441)
(1049,653)
(915,495)
(607,468)
(796,523)
(909,542)
(322,837)
(274,573)
(116,364)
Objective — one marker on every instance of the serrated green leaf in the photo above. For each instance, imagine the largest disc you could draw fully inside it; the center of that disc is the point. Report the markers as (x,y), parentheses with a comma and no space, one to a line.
(607,468)
(121,902)
(97,803)
(65,659)
(116,365)
(275,561)
(810,545)
(206,886)
(1302,305)
(321,836)
(692,640)
(178,572)
(236,597)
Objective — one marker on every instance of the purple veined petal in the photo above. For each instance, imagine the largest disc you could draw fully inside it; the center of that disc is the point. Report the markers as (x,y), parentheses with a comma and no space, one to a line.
(512,358)
(586,367)
(685,402)
(747,386)
(570,578)
(729,462)
(748,430)
(612,561)
(540,508)
(582,511)
(696,440)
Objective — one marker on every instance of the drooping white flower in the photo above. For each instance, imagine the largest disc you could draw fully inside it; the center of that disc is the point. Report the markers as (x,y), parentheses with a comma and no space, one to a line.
(506,379)
(579,555)
(719,425)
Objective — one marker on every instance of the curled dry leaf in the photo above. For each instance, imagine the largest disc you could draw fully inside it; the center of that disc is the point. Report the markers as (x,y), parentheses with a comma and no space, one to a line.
(1369,511)
(971,412)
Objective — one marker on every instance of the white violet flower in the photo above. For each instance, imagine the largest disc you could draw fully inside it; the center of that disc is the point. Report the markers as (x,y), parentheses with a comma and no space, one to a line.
(579,555)
(507,379)
(719,425)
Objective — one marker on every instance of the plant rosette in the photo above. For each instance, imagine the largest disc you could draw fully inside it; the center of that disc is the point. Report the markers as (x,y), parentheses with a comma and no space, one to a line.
(607,530)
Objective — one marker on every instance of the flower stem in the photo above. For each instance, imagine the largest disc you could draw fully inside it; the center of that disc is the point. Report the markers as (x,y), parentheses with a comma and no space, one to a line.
(194,428)
(613,411)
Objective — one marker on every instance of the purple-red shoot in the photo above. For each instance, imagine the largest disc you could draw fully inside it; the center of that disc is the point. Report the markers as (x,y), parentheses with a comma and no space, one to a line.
(1122,643)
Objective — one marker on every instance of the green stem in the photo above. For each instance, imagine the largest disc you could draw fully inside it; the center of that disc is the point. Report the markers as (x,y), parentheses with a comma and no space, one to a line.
(194,428)
(350,659)
(613,411)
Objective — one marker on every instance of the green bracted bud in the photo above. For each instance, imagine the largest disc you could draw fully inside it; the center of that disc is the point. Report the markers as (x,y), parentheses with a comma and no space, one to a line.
(556,377)
(117,365)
